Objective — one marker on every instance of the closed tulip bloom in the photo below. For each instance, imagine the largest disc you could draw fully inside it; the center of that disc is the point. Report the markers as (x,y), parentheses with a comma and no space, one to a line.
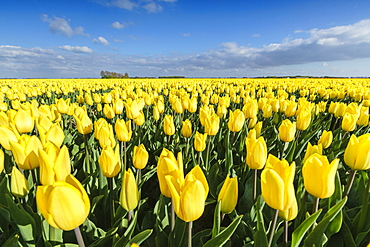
(140,157)
(108,111)
(26,152)
(326,139)
(19,184)
(55,135)
(287,130)
(24,122)
(267,111)
(221,111)
(193,104)
(357,153)
(1,160)
(156,114)
(106,136)
(168,125)
(349,122)
(200,141)
(315,149)
(123,130)
(84,124)
(63,105)
(118,106)
(340,110)
(277,183)
(212,124)
(319,175)
(168,165)
(228,194)
(186,128)
(256,152)
(236,120)
(129,196)
(7,134)
(250,108)
(64,204)
(177,106)
(132,109)
(303,120)
(363,119)
(291,213)
(189,196)
(140,120)
(291,109)
(109,161)
(55,164)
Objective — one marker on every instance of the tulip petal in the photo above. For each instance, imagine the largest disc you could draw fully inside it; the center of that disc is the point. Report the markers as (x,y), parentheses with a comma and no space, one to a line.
(192,201)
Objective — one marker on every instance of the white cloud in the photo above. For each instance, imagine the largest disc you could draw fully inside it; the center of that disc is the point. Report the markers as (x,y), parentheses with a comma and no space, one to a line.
(325,64)
(101,40)
(185,34)
(153,7)
(124,4)
(18,51)
(61,26)
(76,49)
(60,57)
(119,25)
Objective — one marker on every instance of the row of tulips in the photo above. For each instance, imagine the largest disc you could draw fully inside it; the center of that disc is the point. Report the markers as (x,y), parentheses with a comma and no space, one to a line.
(98,157)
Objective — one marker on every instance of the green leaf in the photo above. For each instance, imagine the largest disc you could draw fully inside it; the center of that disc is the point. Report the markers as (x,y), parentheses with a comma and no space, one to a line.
(140,238)
(317,234)
(347,236)
(301,230)
(217,220)
(225,235)
(12,242)
(260,236)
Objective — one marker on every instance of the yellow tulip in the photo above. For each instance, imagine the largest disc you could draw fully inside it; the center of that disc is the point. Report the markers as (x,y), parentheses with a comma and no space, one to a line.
(193,105)
(108,111)
(8,134)
(140,120)
(190,195)
(64,204)
(236,120)
(19,184)
(186,128)
(212,124)
(55,164)
(129,196)
(168,125)
(291,109)
(156,114)
(349,121)
(123,130)
(228,194)
(277,183)
(132,109)
(63,105)
(140,157)
(357,153)
(200,141)
(267,111)
(315,149)
(23,121)
(118,106)
(287,130)
(326,139)
(256,152)
(250,108)
(55,135)
(319,175)
(168,165)
(177,106)
(84,124)
(110,161)
(291,213)
(26,152)
(303,120)
(105,136)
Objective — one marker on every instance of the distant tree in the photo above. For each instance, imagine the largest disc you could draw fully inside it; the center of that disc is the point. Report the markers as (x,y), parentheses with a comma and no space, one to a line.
(109,74)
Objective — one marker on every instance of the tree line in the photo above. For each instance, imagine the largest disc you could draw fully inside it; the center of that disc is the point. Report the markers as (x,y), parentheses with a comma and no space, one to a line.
(109,74)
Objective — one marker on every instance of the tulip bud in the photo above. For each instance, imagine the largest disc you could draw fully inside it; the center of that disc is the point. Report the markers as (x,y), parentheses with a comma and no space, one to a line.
(212,124)
(228,194)
(129,196)
(326,139)
(156,114)
(24,122)
(168,125)
(84,124)
(303,120)
(319,175)
(64,205)
(140,157)
(267,111)
(236,120)
(63,105)
(140,120)
(193,104)
(132,109)
(200,141)
(108,111)
(109,161)
(123,130)
(250,109)
(287,130)
(8,134)
(177,106)
(26,152)
(277,183)
(256,152)
(349,122)
(357,153)
(118,106)
(19,184)
(186,128)
(316,149)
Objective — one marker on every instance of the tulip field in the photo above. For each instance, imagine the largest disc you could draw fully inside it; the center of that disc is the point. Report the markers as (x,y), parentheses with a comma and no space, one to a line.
(185,162)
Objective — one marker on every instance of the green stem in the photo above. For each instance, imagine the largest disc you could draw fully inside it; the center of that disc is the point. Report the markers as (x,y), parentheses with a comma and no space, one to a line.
(207,154)
(111,198)
(365,204)
(273,226)
(282,151)
(255,185)
(125,156)
(79,238)
(52,234)
(286,232)
(172,215)
(349,183)
(87,156)
(190,226)
(129,216)
(316,205)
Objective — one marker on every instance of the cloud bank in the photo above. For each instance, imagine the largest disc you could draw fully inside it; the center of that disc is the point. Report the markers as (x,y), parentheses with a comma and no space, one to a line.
(340,43)
(61,26)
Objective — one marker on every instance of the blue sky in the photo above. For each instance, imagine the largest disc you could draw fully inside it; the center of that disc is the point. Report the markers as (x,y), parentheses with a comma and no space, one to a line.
(193,38)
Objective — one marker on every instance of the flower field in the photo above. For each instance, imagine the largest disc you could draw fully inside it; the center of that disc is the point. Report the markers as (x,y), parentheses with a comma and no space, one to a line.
(184,162)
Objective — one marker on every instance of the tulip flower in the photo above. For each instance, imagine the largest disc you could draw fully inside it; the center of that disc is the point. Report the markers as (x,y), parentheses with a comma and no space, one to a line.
(287,130)
(357,153)
(256,152)
(168,165)
(132,109)
(63,105)
(118,106)
(303,120)
(84,124)
(277,183)
(64,204)
(193,105)
(326,139)
(349,121)
(129,196)
(140,120)
(8,134)
(228,194)
(105,136)
(236,120)
(19,184)
(319,175)
(267,111)
(26,152)
(168,125)
(315,149)
(123,130)
(177,106)
(24,122)
(109,161)
(55,135)
(212,124)
(291,213)
(140,157)
(190,195)
(250,108)
(200,141)
(108,111)
(186,128)
(156,114)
